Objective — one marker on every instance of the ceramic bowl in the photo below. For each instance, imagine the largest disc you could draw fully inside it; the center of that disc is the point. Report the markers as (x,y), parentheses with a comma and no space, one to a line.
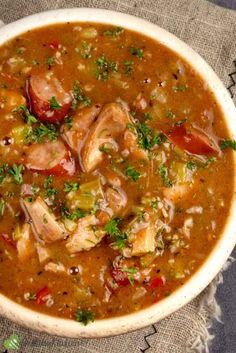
(224,246)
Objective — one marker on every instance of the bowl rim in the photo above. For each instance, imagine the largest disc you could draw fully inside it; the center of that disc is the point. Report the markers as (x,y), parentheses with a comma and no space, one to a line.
(221,251)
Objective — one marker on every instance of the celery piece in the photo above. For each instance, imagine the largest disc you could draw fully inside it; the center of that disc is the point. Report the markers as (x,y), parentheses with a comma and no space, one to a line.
(18,134)
(178,170)
(87,195)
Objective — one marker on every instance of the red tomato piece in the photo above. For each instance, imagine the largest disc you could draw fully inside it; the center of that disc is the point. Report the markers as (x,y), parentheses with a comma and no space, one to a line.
(120,277)
(54,44)
(42,294)
(48,99)
(50,158)
(8,240)
(156,282)
(193,140)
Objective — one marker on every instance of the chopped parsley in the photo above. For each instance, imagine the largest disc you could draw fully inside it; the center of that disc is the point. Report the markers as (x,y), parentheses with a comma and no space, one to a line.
(73,216)
(128,67)
(71,186)
(38,133)
(112,229)
(48,181)
(85,50)
(13,342)
(104,67)
(29,118)
(79,96)
(145,138)
(2,206)
(132,173)
(113,32)
(163,172)
(191,165)
(180,88)
(147,116)
(84,316)
(180,122)
(51,192)
(131,272)
(228,144)
(68,121)
(170,114)
(136,52)
(3,171)
(54,104)
(16,173)
(50,61)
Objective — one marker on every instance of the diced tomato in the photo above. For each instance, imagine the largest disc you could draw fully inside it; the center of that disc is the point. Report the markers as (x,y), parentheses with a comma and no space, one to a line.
(48,99)
(8,240)
(193,140)
(156,282)
(41,296)
(50,158)
(54,44)
(120,277)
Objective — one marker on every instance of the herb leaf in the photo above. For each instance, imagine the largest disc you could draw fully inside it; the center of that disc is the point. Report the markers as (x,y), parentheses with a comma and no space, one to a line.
(54,104)
(163,171)
(111,228)
(128,67)
(113,32)
(131,272)
(132,173)
(84,316)
(71,186)
(42,131)
(15,172)
(228,144)
(13,342)
(104,67)
(136,52)
(29,118)
(72,216)
(79,96)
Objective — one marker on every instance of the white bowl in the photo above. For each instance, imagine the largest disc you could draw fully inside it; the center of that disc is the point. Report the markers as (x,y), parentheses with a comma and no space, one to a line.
(225,244)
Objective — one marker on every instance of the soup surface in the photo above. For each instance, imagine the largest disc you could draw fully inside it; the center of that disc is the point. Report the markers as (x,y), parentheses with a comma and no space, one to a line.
(116,173)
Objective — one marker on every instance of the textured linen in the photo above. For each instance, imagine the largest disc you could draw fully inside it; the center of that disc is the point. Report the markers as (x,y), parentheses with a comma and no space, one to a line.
(210,30)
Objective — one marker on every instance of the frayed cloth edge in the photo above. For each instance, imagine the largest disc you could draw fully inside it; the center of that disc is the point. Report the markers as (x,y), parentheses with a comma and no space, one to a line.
(209,310)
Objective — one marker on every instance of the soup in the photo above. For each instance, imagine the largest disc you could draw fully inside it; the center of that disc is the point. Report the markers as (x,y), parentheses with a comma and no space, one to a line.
(112,148)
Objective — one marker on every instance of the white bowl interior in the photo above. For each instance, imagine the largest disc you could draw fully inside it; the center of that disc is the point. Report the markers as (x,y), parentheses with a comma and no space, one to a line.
(224,246)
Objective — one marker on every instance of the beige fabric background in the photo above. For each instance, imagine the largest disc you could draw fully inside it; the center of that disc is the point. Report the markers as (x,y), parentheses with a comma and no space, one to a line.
(210,30)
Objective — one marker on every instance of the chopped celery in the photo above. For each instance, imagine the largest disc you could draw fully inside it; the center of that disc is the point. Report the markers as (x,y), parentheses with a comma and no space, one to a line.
(147,259)
(82,295)
(87,195)
(69,224)
(179,172)
(19,133)
(17,232)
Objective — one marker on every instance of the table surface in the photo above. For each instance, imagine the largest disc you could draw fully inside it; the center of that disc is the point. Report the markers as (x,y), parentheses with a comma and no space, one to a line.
(225,334)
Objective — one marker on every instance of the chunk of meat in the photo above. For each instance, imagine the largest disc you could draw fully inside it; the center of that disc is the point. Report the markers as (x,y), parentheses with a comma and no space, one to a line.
(111,123)
(193,140)
(141,236)
(25,243)
(10,100)
(140,102)
(48,99)
(80,125)
(50,158)
(86,236)
(116,198)
(26,190)
(44,224)
(131,144)
(43,253)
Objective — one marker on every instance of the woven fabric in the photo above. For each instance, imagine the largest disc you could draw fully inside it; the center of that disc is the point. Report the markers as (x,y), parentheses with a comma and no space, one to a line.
(210,30)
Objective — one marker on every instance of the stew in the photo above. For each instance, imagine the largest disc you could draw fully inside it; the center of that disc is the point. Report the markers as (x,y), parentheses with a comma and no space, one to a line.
(116,173)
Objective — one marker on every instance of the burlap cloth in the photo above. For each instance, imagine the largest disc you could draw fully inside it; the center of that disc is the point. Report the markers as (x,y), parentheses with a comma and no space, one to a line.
(210,30)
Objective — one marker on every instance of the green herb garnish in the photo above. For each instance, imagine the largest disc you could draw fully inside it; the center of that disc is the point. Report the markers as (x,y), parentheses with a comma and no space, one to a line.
(132,173)
(79,96)
(113,32)
(54,104)
(13,342)
(104,67)
(163,172)
(84,316)
(73,216)
(15,172)
(136,52)
(112,229)
(191,165)
(29,118)
(128,67)
(71,186)
(42,131)
(131,272)
(228,144)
